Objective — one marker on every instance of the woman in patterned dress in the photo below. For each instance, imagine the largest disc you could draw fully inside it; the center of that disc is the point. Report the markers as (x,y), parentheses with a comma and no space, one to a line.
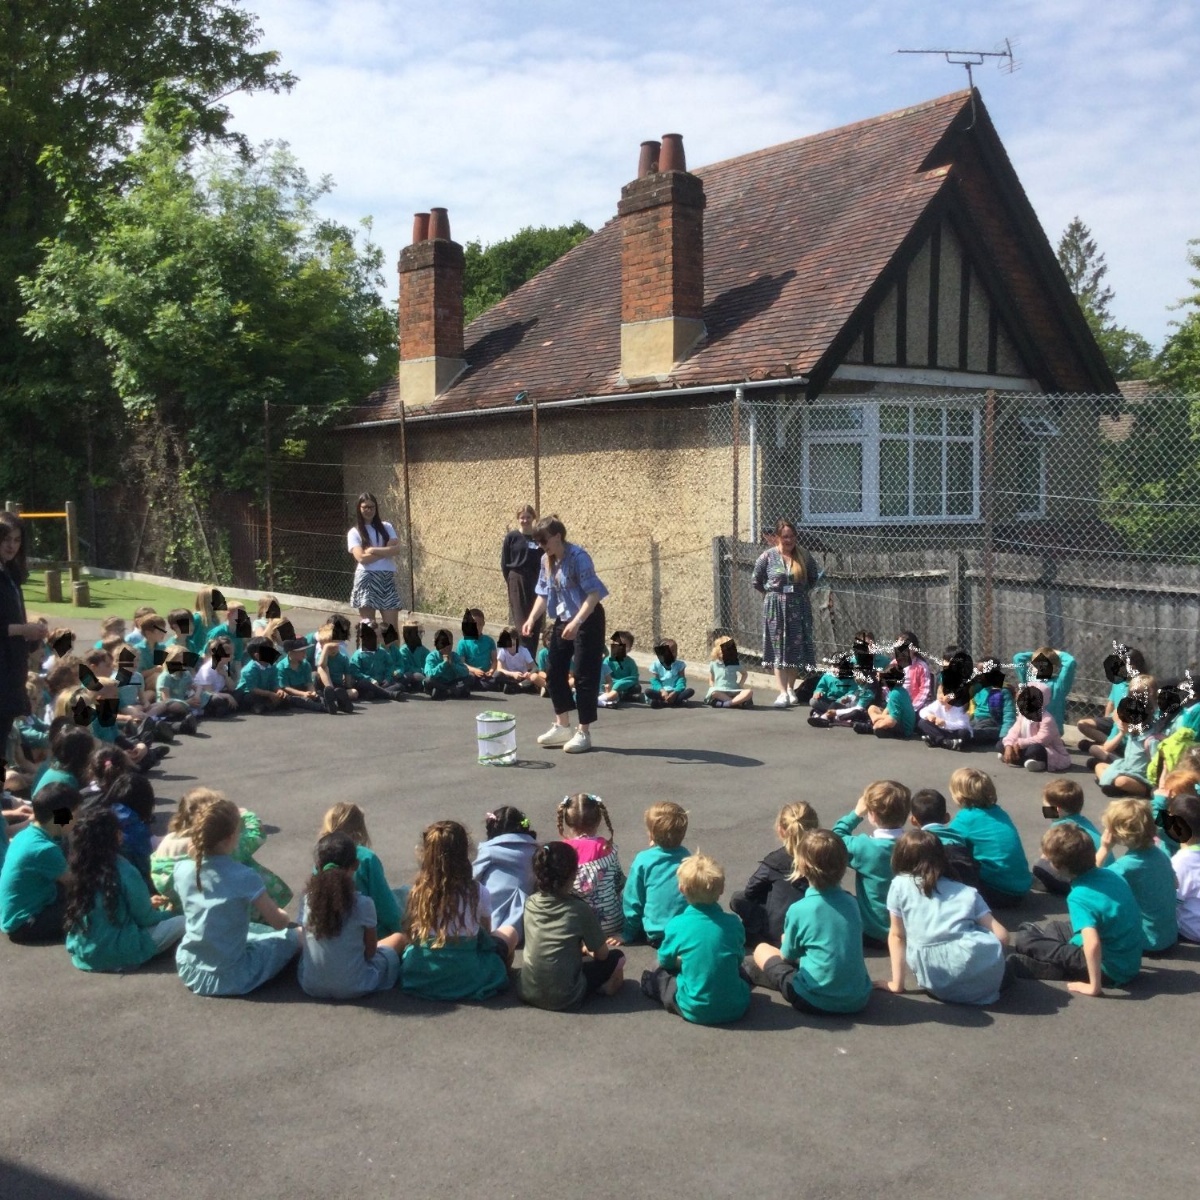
(373,544)
(786,575)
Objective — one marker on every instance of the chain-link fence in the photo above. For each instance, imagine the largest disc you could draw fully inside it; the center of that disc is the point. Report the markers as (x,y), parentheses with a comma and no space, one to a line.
(998,521)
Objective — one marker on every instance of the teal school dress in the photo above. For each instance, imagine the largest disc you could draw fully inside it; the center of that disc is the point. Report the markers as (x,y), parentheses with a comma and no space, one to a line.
(371,881)
(220,955)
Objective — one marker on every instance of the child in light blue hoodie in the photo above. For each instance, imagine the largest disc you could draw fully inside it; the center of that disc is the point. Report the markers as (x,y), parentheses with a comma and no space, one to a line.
(504,865)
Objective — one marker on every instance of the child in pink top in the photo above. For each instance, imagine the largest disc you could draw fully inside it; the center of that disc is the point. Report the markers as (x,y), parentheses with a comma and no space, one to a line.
(599,879)
(918,682)
(1034,741)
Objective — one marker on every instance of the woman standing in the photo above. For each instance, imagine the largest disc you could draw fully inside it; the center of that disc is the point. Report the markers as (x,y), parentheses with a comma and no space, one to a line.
(15,631)
(374,545)
(786,575)
(520,560)
(569,589)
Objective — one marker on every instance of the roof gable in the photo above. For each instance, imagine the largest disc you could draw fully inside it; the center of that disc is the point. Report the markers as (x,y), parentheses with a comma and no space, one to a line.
(801,243)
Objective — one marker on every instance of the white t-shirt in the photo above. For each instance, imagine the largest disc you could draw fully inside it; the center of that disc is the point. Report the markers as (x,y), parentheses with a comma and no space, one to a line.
(354,538)
(207,679)
(515,660)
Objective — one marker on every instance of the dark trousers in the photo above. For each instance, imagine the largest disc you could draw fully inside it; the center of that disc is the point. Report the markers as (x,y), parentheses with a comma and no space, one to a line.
(368,690)
(660,986)
(587,653)
(778,974)
(754,918)
(1049,944)
(47,926)
(520,604)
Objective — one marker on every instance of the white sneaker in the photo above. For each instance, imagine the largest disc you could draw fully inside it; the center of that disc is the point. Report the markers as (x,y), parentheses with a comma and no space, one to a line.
(603,701)
(556,735)
(782,700)
(579,744)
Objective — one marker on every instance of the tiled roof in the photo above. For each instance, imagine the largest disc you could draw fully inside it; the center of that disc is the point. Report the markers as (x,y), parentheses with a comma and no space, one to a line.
(794,236)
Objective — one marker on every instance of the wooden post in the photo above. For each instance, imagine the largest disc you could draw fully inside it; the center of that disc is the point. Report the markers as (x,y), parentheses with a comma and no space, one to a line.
(989,517)
(73,540)
(267,492)
(53,585)
(81,595)
(408,532)
(537,461)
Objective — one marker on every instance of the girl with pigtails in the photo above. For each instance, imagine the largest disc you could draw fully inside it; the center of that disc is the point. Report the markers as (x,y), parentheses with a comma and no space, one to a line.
(219,954)
(599,878)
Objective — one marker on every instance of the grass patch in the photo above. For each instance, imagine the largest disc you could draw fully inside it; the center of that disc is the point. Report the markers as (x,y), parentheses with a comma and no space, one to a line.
(109,597)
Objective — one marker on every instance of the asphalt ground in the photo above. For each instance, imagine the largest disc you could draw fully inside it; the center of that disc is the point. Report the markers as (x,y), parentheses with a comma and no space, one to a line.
(130,1086)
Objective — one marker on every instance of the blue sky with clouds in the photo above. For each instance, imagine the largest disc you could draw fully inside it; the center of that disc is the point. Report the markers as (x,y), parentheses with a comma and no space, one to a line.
(512,114)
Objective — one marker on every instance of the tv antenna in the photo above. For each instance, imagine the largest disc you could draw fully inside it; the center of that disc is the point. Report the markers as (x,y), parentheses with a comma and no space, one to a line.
(974,58)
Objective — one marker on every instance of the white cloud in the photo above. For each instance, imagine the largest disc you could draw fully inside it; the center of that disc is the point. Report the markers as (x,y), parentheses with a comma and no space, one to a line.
(514,115)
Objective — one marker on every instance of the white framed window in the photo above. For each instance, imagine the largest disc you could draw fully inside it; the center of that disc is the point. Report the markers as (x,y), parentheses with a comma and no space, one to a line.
(1029,470)
(890,461)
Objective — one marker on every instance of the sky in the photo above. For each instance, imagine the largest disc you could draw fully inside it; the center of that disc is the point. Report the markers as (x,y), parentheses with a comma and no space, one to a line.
(512,114)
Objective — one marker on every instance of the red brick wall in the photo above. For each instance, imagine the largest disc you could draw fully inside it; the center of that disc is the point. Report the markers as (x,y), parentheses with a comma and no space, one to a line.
(431,300)
(662,247)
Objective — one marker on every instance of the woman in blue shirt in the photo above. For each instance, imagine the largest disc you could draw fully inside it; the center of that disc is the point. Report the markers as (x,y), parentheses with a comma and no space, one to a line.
(570,591)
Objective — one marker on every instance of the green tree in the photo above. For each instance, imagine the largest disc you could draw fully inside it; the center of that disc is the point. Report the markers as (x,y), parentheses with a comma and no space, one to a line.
(208,285)
(491,272)
(75,81)
(1128,354)
(1179,363)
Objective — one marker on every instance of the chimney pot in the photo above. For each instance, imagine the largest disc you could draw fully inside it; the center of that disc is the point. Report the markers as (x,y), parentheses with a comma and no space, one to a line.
(648,159)
(420,227)
(439,225)
(670,157)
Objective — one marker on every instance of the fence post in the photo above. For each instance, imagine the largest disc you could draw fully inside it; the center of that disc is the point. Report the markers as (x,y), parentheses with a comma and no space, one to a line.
(987,488)
(73,540)
(733,543)
(13,507)
(408,533)
(267,492)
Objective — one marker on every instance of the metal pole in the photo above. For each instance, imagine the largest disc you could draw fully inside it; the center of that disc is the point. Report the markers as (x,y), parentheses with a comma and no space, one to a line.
(73,540)
(267,492)
(537,461)
(989,565)
(753,454)
(408,532)
(734,555)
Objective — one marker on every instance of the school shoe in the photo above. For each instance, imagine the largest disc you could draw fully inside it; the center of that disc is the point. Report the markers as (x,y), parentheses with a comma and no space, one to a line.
(555,736)
(655,700)
(1033,764)
(580,743)
(330,701)
(815,720)
(345,704)
(1085,744)
(954,744)
(156,729)
(188,725)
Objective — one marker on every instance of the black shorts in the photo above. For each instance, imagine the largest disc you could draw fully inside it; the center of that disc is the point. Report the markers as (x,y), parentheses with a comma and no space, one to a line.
(598,971)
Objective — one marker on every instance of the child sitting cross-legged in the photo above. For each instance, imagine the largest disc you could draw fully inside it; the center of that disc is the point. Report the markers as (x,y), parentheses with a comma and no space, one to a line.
(887,804)
(1034,740)
(446,674)
(668,677)
(342,955)
(622,671)
(566,958)
(258,688)
(372,666)
(1102,942)
(32,891)
(1062,802)
(504,864)
(1144,867)
(514,664)
(942,930)
(896,717)
(776,883)
(700,974)
(652,896)
(727,677)
(836,685)
(819,966)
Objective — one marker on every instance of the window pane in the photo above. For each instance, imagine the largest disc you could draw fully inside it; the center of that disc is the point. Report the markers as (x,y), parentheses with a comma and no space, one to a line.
(927,420)
(1027,477)
(835,472)
(960,483)
(893,478)
(960,422)
(835,418)
(927,479)
(893,418)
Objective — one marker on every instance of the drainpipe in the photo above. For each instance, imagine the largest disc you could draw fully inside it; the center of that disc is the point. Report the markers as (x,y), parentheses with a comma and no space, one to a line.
(753,441)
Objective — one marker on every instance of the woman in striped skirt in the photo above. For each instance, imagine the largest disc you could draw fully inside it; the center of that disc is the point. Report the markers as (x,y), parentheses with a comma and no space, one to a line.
(374,546)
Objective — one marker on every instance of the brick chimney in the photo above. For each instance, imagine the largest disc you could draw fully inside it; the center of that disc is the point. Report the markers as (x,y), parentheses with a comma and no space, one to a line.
(431,310)
(662,261)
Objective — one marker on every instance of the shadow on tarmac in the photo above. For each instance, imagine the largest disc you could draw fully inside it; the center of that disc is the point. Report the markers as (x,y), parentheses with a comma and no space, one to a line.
(683,756)
(23,1183)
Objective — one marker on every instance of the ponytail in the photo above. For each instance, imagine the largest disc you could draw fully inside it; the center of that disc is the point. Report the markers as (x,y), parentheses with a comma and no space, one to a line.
(331,894)
(216,822)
